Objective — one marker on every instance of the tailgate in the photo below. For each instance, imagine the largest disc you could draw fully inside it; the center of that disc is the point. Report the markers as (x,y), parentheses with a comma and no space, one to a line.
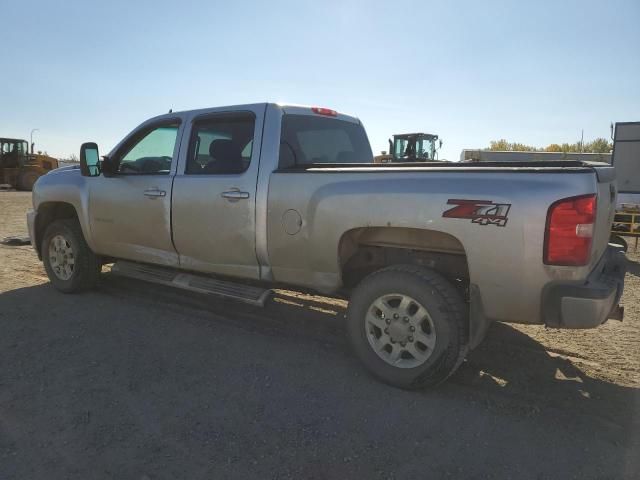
(605,210)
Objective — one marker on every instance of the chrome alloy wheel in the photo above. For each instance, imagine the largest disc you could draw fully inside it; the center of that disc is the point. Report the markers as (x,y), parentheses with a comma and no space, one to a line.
(61,257)
(400,330)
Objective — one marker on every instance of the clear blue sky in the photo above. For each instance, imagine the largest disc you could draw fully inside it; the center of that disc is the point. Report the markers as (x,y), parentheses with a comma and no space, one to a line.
(536,72)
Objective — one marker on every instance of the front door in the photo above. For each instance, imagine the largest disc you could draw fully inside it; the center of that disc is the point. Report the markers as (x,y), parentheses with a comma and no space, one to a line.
(130,212)
(214,196)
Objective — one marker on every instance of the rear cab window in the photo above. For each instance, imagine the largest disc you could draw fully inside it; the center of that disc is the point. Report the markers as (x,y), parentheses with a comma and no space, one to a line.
(312,140)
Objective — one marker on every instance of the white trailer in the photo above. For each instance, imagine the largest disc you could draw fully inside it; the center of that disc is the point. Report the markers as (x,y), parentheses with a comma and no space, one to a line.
(626,159)
(504,156)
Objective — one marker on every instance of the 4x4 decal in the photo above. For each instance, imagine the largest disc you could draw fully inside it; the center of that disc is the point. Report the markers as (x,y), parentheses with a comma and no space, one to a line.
(483,212)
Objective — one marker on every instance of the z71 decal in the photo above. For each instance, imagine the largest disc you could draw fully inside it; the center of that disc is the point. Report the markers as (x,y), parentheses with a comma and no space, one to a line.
(483,212)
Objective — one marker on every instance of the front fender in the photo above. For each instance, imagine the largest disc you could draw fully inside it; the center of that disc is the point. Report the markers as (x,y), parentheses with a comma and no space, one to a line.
(61,187)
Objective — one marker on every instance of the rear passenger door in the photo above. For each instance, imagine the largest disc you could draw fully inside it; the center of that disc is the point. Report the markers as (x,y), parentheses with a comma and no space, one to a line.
(213,207)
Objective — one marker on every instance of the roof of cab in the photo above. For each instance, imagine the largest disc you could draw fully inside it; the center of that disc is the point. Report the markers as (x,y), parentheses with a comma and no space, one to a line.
(289,109)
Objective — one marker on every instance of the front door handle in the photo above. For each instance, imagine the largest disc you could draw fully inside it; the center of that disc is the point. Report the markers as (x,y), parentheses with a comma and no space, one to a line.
(154,192)
(235,195)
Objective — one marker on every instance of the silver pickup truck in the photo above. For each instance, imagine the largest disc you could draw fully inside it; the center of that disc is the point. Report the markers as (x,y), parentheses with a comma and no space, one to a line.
(234,201)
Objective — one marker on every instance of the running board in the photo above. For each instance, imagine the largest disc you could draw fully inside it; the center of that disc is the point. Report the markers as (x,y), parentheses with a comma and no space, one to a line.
(193,282)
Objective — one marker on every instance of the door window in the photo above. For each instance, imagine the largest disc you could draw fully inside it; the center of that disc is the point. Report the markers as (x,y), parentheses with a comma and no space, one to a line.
(151,154)
(221,145)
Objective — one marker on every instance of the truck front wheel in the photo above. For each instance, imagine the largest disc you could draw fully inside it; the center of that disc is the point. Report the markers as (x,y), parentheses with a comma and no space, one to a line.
(407,325)
(69,262)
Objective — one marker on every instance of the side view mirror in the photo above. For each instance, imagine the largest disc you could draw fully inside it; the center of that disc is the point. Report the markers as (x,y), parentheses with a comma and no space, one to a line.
(440,144)
(108,167)
(89,160)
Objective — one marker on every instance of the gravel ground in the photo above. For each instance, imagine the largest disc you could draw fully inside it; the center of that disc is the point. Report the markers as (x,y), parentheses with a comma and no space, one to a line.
(134,381)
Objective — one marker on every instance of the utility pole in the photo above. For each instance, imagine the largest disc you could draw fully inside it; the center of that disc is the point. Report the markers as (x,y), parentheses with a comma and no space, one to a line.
(31,138)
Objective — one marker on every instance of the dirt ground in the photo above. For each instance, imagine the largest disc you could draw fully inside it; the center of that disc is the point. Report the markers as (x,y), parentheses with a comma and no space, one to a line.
(134,381)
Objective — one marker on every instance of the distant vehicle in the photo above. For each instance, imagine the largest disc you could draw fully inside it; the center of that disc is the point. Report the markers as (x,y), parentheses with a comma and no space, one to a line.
(469,155)
(235,201)
(411,147)
(625,158)
(19,168)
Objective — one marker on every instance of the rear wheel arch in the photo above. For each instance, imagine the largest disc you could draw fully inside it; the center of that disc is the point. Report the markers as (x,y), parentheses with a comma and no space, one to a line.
(364,250)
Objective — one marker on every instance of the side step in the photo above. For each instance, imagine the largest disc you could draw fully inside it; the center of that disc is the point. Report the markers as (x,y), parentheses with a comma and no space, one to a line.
(194,282)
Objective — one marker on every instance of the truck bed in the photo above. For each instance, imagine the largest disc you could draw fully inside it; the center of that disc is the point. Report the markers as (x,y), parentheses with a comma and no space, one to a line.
(559,166)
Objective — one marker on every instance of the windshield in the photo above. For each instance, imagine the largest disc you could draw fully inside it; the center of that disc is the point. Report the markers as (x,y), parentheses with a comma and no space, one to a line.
(420,149)
(425,149)
(18,147)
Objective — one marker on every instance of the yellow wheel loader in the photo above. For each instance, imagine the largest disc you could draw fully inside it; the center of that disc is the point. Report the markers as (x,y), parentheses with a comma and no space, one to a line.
(20,169)
(411,147)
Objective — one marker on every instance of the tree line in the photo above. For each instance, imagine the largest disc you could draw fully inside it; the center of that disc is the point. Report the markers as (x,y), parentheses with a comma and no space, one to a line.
(599,145)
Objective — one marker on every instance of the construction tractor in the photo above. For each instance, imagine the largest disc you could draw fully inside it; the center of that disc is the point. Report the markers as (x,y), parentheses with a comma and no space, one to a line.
(411,147)
(20,169)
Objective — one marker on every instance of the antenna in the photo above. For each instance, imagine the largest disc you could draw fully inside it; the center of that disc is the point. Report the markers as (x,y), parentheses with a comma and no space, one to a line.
(171,110)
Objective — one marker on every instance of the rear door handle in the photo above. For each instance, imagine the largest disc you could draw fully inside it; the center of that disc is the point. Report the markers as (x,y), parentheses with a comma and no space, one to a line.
(235,195)
(154,192)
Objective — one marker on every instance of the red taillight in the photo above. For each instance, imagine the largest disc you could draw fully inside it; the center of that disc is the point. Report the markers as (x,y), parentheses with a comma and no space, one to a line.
(569,231)
(324,111)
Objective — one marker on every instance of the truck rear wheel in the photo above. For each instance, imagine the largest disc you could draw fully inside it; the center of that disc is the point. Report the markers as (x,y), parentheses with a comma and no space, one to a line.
(407,325)
(69,262)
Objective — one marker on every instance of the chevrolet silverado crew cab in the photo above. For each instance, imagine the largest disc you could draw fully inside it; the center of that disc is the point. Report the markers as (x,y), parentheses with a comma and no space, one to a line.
(234,201)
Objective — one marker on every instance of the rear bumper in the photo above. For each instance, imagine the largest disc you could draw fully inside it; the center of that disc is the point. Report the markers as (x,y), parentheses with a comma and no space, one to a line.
(588,304)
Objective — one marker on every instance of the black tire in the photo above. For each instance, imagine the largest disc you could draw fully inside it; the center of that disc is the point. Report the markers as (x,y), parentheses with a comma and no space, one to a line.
(87,266)
(618,240)
(448,312)
(26,180)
